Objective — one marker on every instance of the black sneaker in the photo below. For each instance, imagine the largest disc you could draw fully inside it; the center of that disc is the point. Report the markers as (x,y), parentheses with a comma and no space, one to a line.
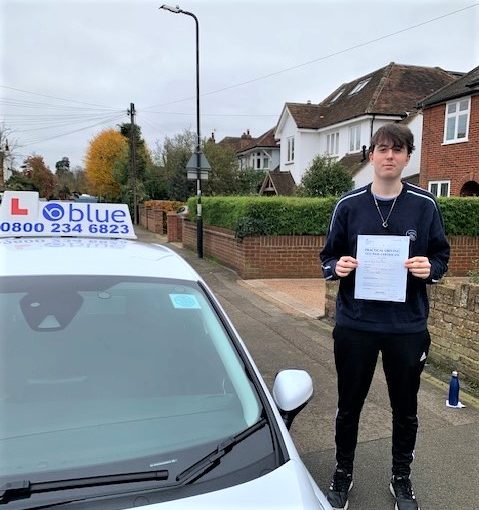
(341,484)
(401,489)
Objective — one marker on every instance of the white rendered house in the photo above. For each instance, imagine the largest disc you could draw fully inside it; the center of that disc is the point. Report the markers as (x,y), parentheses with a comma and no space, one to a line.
(343,123)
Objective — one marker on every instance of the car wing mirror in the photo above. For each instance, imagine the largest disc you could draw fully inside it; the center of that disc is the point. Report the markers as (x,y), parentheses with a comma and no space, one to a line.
(292,390)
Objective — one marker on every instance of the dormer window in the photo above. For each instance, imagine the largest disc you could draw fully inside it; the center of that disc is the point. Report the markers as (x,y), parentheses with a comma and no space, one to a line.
(336,96)
(359,86)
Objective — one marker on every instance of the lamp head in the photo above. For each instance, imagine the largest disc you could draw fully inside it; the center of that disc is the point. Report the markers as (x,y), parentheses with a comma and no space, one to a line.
(176,9)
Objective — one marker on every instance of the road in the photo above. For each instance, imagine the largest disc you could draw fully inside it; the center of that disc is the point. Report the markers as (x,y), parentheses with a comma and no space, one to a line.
(446,467)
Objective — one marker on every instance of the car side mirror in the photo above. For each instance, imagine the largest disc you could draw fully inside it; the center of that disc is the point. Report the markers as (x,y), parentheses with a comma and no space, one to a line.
(292,390)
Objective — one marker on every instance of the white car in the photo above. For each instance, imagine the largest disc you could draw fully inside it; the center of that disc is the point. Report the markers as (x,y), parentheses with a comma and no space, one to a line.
(123,384)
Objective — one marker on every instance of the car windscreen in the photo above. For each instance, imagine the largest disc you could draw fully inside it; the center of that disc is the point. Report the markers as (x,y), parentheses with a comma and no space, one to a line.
(96,371)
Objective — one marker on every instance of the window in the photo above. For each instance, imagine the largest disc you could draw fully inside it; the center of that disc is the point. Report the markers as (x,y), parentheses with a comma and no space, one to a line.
(354,138)
(440,188)
(359,86)
(290,149)
(332,143)
(260,160)
(336,96)
(456,125)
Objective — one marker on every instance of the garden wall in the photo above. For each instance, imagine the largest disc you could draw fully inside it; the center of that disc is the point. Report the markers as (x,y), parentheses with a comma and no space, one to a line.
(153,219)
(259,256)
(296,256)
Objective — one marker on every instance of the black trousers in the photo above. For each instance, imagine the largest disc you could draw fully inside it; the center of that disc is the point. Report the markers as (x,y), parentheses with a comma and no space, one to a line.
(403,356)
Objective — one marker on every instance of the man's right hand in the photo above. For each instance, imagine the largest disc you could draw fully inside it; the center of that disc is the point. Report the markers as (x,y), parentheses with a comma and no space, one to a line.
(345,265)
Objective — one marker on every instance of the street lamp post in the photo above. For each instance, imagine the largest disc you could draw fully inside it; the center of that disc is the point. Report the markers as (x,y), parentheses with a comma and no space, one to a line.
(199,218)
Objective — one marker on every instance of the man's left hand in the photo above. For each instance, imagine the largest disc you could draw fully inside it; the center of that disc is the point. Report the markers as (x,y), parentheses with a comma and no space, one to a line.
(419,267)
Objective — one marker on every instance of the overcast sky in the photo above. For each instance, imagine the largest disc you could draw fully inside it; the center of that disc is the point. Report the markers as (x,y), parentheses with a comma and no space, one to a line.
(92,58)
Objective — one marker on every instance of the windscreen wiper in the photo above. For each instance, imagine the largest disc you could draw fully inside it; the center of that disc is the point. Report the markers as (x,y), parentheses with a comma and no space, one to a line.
(23,489)
(212,459)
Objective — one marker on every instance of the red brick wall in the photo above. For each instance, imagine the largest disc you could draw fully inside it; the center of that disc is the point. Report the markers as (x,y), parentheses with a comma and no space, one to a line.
(152,219)
(260,256)
(175,228)
(218,243)
(295,256)
(458,162)
(464,253)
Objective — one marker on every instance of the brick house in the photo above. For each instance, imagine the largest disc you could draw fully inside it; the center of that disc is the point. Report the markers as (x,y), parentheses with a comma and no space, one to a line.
(450,139)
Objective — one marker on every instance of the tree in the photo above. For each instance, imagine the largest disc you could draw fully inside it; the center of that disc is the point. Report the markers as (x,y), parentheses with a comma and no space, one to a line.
(65,179)
(8,146)
(142,155)
(223,176)
(123,171)
(63,165)
(80,182)
(156,187)
(43,180)
(105,150)
(250,181)
(325,177)
(173,157)
(18,181)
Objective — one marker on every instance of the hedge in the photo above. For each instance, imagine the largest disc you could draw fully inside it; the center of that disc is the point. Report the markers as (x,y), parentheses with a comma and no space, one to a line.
(461,215)
(255,215)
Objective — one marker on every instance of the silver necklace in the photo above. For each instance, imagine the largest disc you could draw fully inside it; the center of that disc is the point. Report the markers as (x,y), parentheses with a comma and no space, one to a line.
(385,221)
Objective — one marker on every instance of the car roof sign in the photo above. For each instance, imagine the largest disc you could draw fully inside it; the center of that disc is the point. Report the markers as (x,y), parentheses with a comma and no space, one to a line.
(23,214)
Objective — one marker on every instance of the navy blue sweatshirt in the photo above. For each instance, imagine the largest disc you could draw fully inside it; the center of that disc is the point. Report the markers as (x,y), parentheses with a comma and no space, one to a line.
(415,215)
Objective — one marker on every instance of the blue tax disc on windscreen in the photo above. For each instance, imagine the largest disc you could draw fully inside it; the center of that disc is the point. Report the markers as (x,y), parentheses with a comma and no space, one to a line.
(185,301)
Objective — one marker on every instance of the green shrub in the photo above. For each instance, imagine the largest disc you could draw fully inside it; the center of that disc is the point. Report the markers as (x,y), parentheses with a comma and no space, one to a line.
(461,215)
(326,176)
(260,215)
(267,215)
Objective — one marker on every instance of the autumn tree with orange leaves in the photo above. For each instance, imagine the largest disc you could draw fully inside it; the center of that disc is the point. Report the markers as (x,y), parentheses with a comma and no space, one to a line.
(104,152)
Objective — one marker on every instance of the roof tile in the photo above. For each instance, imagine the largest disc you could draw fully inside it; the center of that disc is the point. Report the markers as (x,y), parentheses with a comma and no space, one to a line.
(463,86)
(392,90)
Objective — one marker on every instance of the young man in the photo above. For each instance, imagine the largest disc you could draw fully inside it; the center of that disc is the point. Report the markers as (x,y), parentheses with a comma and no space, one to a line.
(396,328)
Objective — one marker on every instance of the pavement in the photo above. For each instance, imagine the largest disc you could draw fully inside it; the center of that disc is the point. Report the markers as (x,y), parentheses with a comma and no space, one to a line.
(298,296)
(278,320)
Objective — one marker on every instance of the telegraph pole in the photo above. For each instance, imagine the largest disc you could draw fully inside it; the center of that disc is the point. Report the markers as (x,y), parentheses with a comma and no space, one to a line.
(3,153)
(131,113)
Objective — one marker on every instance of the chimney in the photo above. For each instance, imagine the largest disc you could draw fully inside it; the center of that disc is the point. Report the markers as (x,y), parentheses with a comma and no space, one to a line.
(308,101)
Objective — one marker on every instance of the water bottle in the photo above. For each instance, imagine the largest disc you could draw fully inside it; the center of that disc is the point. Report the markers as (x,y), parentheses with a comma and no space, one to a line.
(454,390)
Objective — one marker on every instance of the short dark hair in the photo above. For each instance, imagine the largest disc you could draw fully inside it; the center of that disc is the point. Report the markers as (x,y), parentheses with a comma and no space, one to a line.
(393,134)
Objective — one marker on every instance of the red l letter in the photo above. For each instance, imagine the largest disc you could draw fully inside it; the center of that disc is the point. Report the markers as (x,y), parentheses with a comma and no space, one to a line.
(16,208)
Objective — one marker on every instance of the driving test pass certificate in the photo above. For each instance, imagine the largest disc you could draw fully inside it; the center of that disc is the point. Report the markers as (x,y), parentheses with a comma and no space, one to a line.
(381,275)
